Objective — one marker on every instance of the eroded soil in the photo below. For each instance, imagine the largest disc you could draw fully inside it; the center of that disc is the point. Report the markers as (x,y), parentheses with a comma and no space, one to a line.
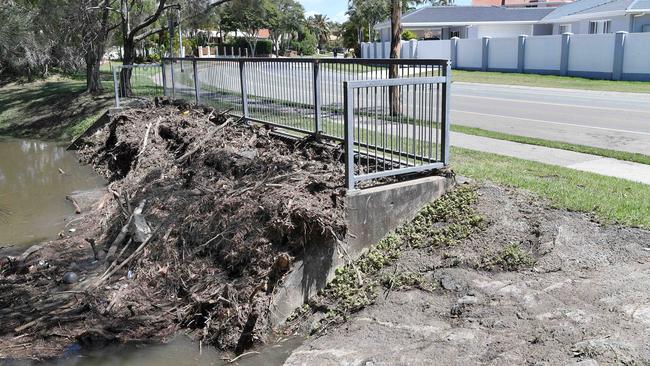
(536,285)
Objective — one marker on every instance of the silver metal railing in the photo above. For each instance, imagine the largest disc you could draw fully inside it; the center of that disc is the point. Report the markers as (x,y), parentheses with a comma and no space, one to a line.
(324,97)
(137,81)
(395,127)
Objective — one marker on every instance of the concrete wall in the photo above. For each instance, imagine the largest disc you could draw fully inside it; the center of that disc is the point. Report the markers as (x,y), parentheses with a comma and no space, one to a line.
(434,49)
(543,53)
(502,54)
(591,55)
(636,56)
(470,54)
(604,56)
(502,30)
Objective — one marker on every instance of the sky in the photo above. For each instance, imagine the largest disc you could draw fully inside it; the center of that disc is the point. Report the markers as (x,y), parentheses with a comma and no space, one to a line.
(335,9)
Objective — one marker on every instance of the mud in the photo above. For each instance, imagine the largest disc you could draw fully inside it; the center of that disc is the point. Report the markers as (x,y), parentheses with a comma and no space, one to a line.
(230,207)
(536,286)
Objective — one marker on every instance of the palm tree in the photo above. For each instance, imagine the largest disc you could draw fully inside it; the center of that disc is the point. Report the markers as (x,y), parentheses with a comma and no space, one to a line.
(321,28)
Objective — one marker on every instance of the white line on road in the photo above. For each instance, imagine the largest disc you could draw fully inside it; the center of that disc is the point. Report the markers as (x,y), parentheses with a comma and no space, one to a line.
(555,123)
(553,104)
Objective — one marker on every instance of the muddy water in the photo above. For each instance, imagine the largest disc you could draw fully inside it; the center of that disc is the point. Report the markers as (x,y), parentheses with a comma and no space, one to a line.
(33,190)
(33,208)
(180,352)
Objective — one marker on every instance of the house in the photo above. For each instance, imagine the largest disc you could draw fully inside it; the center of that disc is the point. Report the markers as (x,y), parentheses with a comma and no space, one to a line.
(521,3)
(579,17)
(445,22)
(600,16)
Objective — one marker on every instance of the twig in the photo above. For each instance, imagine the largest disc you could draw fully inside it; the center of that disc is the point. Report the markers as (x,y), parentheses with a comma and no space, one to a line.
(77,209)
(127,260)
(242,355)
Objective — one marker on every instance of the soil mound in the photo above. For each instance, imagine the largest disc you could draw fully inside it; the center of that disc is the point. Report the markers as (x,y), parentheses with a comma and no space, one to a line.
(204,215)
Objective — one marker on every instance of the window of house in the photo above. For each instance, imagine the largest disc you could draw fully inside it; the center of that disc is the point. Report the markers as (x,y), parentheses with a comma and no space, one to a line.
(607,26)
(593,27)
(565,28)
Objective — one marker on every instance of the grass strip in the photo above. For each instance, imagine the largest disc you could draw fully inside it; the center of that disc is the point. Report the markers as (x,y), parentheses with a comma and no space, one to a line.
(608,153)
(610,199)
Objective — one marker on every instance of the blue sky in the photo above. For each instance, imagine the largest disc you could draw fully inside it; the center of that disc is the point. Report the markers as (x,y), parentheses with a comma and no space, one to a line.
(335,9)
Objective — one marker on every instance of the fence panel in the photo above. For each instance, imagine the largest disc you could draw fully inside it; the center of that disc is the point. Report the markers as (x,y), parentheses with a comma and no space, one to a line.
(503,53)
(137,81)
(395,126)
(469,54)
(636,58)
(591,54)
(543,53)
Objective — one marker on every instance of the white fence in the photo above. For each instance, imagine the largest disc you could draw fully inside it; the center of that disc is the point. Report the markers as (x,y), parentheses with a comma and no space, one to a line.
(620,56)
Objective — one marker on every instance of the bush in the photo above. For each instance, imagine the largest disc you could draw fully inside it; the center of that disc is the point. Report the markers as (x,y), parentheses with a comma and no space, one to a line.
(408,35)
(308,45)
(264,47)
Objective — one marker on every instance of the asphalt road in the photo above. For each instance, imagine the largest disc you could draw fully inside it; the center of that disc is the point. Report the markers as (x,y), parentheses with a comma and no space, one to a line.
(613,120)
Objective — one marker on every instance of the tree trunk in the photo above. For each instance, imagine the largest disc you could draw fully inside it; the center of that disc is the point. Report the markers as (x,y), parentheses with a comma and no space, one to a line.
(125,74)
(93,76)
(393,71)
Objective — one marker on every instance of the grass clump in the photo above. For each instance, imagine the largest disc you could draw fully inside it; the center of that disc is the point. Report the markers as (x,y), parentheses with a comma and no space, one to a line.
(406,280)
(440,223)
(511,258)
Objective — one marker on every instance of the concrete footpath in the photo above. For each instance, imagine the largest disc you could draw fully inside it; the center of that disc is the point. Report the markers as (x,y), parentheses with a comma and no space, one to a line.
(574,160)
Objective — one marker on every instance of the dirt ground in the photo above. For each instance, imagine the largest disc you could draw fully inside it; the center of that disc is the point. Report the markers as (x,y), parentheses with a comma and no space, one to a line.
(536,286)
(202,217)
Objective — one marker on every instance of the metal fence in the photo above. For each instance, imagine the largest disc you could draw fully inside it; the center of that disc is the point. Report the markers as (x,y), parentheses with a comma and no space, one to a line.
(324,97)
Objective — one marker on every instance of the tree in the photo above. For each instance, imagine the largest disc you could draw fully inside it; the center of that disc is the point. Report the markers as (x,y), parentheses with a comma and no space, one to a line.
(95,30)
(249,17)
(320,26)
(290,17)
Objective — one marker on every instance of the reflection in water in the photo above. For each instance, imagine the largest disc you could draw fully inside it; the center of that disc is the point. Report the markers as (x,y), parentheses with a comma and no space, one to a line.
(180,352)
(33,190)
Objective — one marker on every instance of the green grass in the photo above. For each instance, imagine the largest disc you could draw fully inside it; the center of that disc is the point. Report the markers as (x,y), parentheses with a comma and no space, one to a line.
(49,109)
(610,199)
(550,81)
(615,154)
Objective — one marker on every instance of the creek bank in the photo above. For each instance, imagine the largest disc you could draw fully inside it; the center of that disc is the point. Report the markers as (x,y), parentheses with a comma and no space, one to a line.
(529,284)
(230,207)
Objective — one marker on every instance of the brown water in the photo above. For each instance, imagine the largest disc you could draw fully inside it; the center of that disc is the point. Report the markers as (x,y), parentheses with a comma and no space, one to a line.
(180,352)
(33,190)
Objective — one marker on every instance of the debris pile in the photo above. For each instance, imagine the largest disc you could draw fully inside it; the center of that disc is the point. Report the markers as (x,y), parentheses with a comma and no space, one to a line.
(203,216)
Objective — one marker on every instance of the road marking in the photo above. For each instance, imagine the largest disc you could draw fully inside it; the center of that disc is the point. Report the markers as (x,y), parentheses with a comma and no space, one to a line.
(556,123)
(553,104)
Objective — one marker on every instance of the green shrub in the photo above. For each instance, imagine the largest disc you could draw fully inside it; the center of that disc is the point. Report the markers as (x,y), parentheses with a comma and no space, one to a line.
(264,47)
(308,45)
(408,35)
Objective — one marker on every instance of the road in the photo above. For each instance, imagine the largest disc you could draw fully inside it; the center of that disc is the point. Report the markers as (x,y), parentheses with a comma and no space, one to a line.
(612,120)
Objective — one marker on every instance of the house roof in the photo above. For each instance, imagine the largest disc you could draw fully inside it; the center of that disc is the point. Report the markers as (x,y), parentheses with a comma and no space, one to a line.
(589,8)
(453,15)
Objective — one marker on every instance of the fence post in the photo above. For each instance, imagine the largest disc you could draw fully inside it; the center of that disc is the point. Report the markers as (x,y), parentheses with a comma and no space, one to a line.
(348,108)
(413,48)
(446,124)
(619,49)
(521,53)
(244,88)
(197,89)
(486,53)
(116,87)
(453,53)
(164,77)
(317,102)
(564,61)
(171,72)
